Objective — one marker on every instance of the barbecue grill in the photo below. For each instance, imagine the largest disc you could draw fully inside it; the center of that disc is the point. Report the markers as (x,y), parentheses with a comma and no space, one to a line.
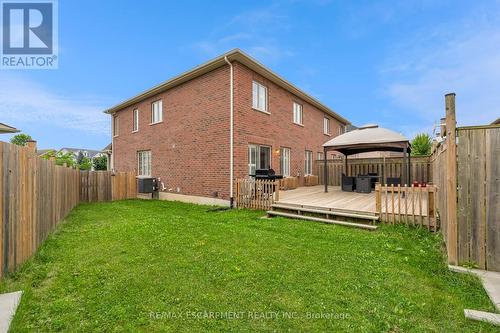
(267,174)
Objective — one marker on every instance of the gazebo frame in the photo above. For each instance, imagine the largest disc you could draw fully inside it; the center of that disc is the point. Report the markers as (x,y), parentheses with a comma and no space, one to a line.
(357,148)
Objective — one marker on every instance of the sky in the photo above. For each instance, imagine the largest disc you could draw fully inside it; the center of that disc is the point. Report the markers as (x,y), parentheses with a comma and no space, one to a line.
(383,62)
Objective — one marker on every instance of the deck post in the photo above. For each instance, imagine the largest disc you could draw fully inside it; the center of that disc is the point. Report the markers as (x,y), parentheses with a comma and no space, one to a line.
(451,180)
(325,170)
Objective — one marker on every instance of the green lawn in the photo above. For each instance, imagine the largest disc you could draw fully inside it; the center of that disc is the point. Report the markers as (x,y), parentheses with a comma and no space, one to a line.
(156,265)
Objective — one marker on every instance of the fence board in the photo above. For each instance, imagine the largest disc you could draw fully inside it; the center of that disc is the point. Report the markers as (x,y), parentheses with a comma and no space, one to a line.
(420,168)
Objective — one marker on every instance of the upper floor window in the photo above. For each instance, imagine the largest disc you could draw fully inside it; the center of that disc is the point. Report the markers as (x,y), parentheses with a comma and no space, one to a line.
(297,113)
(326,126)
(115,126)
(135,121)
(157,112)
(259,96)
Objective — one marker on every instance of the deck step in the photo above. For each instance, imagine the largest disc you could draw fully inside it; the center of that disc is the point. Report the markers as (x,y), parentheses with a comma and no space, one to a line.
(327,212)
(318,219)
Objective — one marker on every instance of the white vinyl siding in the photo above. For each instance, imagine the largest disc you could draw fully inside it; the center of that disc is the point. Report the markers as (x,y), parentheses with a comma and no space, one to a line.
(157,112)
(116,128)
(144,163)
(259,96)
(326,126)
(308,163)
(285,162)
(259,157)
(297,113)
(135,124)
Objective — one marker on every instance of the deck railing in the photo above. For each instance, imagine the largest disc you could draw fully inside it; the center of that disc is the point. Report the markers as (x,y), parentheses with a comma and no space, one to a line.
(256,193)
(410,205)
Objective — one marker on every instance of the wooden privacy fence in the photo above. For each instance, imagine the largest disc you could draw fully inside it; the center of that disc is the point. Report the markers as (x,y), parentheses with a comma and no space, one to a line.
(36,195)
(408,205)
(420,168)
(256,193)
(107,185)
(478,196)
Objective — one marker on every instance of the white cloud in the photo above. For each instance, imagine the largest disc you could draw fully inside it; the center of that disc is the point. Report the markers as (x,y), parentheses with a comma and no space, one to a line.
(24,101)
(256,32)
(464,59)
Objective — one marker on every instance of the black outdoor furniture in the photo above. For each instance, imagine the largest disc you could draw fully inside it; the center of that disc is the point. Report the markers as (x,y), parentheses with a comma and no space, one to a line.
(363,184)
(348,183)
(393,181)
(374,177)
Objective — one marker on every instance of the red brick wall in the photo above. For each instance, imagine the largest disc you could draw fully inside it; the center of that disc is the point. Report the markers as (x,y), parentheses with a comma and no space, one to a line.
(190,148)
(277,128)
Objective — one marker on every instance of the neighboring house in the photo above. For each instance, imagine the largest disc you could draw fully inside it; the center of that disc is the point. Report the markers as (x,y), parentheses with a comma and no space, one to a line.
(4,128)
(89,153)
(108,150)
(181,130)
(42,152)
(496,122)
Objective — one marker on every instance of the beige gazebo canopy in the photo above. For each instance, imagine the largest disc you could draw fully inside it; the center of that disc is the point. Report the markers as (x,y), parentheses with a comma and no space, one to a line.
(369,138)
(7,129)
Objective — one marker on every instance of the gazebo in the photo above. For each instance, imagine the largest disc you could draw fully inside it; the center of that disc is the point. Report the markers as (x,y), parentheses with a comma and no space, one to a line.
(369,138)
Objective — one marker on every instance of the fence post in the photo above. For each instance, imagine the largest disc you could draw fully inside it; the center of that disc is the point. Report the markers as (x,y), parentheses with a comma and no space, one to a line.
(31,144)
(451,179)
(378,199)
(277,190)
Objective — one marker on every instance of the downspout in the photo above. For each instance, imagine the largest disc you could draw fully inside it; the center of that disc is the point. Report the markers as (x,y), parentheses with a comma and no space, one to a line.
(231,133)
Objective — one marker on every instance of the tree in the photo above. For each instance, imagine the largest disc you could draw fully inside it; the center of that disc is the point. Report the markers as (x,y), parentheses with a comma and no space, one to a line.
(85,164)
(79,158)
(421,145)
(101,163)
(20,139)
(67,158)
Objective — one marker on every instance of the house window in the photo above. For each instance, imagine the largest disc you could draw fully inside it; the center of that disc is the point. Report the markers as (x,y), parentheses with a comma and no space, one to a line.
(308,163)
(285,162)
(259,97)
(297,113)
(326,126)
(144,163)
(135,121)
(259,157)
(115,126)
(157,112)
(320,156)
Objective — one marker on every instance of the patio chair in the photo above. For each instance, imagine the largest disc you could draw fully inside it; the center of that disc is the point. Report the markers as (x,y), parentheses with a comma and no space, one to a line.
(363,184)
(348,183)
(393,181)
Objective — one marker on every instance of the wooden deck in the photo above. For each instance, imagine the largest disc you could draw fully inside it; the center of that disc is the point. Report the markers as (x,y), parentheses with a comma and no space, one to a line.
(336,199)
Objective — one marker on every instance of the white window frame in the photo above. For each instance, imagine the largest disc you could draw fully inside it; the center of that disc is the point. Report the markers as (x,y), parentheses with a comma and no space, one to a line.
(308,163)
(285,154)
(116,123)
(254,157)
(157,112)
(259,97)
(298,113)
(326,125)
(135,120)
(320,156)
(144,163)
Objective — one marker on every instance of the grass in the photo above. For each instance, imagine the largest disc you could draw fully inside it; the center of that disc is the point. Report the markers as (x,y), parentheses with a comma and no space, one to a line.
(164,266)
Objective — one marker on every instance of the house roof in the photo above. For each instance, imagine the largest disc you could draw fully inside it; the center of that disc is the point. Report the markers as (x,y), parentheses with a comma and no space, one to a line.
(75,151)
(4,128)
(233,55)
(41,152)
(108,148)
(496,122)
(368,138)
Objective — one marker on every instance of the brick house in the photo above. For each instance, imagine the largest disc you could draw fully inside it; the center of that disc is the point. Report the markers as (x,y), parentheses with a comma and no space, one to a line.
(180,130)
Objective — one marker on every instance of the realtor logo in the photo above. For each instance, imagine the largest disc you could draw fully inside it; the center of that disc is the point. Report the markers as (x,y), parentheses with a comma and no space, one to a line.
(29,34)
